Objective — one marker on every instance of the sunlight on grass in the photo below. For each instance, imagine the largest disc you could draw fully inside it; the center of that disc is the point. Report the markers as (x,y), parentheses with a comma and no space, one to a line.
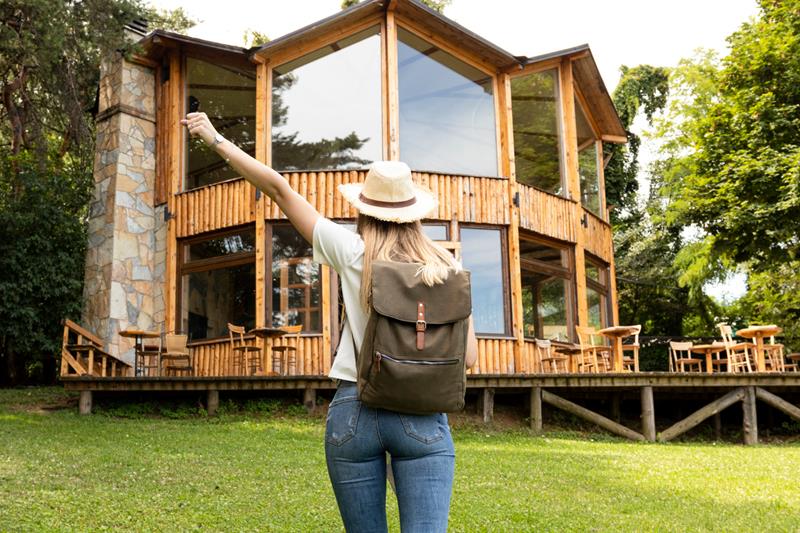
(266,471)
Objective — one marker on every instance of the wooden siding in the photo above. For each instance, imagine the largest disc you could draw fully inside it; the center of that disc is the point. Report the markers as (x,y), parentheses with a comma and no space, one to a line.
(213,358)
(598,237)
(547,214)
(495,356)
(221,205)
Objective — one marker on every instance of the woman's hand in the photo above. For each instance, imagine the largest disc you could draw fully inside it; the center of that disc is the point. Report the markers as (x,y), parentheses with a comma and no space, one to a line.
(199,125)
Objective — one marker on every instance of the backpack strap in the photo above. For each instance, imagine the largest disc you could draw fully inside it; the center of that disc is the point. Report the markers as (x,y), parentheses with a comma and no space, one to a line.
(421,325)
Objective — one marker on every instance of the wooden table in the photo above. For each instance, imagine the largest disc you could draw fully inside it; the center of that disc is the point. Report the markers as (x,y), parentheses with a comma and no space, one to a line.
(708,349)
(573,351)
(268,333)
(616,334)
(758,333)
(138,335)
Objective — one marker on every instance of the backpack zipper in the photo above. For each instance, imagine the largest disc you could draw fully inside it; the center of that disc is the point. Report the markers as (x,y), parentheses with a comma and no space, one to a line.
(379,356)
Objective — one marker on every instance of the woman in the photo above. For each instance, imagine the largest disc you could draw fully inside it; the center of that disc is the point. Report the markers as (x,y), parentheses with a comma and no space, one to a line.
(358,437)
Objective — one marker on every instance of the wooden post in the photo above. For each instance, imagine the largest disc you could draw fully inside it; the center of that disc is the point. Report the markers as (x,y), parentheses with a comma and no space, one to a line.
(310,399)
(212,402)
(717,426)
(701,414)
(486,405)
(591,416)
(616,414)
(749,419)
(85,403)
(536,409)
(648,415)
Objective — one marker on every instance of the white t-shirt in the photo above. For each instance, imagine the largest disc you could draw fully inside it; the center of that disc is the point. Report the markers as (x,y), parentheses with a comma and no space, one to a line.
(343,250)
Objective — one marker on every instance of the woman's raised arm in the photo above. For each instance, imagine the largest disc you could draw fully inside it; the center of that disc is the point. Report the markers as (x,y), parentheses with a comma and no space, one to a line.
(300,213)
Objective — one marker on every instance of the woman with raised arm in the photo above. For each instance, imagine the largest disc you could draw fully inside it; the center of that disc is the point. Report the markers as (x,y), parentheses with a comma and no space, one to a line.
(357,437)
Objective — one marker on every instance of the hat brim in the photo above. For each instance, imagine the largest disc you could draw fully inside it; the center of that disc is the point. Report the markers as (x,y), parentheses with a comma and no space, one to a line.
(423,207)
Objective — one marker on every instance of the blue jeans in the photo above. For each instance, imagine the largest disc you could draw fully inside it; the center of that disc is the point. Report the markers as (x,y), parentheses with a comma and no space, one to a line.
(357,438)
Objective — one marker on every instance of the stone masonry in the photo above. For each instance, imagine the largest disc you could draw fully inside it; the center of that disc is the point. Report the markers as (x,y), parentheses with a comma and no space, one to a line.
(126,256)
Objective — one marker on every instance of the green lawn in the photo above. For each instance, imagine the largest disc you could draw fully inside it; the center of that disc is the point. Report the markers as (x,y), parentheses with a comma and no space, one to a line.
(126,469)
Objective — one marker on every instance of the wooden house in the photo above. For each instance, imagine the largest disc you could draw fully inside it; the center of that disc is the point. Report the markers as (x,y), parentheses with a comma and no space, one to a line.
(511,146)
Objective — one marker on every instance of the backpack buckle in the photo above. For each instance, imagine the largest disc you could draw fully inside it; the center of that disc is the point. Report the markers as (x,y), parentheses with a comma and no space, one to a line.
(421,325)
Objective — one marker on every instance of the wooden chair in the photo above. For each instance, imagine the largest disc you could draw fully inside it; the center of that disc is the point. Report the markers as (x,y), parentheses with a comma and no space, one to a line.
(548,361)
(632,362)
(795,362)
(593,356)
(176,356)
(773,356)
(680,354)
(717,361)
(243,354)
(284,357)
(150,355)
(738,352)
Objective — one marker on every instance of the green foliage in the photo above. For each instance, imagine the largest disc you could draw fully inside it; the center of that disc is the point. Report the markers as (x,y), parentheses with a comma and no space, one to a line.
(253,38)
(436,5)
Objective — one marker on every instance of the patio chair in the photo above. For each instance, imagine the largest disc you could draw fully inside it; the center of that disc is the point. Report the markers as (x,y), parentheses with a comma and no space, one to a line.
(773,356)
(593,357)
(738,352)
(284,357)
(680,354)
(176,356)
(632,362)
(548,361)
(150,355)
(243,354)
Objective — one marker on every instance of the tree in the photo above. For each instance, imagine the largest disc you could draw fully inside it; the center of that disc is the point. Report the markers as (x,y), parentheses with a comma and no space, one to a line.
(50,53)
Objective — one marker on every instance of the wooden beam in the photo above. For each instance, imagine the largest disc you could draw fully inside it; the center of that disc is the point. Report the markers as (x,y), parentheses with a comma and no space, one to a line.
(536,409)
(749,417)
(212,402)
(262,103)
(310,399)
(701,414)
(85,403)
(778,403)
(591,416)
(648,415)
(618,139)
(486,405)
(175,174)
(392,98)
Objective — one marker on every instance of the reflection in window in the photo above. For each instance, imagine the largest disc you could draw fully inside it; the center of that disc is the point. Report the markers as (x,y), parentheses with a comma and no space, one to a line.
(447,121)
(546,290)
(597,293)
(295,281)
(218,285)
(482,255)
(587,161)
(537,145)
(227,94)
(435,232)
(326,106)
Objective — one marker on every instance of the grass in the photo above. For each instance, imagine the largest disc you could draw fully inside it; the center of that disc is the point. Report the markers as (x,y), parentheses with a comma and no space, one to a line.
(260,466)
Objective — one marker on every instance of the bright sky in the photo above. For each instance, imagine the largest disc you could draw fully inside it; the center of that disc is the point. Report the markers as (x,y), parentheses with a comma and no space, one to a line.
(619,32)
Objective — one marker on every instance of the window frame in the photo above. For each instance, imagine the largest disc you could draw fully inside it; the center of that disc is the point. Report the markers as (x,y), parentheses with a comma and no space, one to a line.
(506,282)
(602,287)
(537,69)
(567,273)
(204,265)
(581,101)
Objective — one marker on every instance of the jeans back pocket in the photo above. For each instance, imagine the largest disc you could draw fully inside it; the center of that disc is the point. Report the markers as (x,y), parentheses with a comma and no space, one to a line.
(342,420)
(425,428)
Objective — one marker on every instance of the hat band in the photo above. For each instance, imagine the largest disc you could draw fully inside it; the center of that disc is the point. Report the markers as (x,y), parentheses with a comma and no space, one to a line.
(378,203)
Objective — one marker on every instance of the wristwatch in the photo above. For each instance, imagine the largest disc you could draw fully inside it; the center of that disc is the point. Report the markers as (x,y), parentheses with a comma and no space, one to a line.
(217,139)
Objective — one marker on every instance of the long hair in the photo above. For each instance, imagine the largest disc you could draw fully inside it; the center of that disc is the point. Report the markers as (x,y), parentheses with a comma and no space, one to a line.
(404,243)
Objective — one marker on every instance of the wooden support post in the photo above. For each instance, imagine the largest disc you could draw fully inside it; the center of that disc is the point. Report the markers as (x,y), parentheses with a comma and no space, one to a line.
(616,411)
(701,414)
(212,402)
(310,399)
(85,403)
(648,415)
(591,416)
(536,409)
(717,426)
(486,405)
(749,419)
(778,403)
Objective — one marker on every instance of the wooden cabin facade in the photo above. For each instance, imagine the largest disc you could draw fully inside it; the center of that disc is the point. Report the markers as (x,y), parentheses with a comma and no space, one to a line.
(511,146)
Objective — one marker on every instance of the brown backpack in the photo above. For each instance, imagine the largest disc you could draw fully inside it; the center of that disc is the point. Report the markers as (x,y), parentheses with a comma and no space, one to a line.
(412,357)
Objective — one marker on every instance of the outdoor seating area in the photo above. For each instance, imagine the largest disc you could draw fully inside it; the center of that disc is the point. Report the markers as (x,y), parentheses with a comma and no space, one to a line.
(597,351)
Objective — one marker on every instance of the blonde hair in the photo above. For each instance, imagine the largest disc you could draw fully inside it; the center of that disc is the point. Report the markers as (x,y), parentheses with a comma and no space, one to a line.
(405,243)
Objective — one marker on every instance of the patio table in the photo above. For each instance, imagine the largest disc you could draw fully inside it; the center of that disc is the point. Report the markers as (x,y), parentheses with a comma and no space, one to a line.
(572,350)
(708,350)
(758,333)
(138,335)
(616,334)
(268,334)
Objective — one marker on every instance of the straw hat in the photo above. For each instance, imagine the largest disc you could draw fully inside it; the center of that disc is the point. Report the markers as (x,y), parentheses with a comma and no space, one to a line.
(388,193)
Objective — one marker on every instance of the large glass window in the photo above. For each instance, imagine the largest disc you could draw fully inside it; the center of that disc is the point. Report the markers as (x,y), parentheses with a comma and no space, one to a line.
(482,254)
(326,106)
(537,133)
(227,94)
(597,293)
(295,285)
(447,120)
(587,161)
(218,285)
(547,290)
